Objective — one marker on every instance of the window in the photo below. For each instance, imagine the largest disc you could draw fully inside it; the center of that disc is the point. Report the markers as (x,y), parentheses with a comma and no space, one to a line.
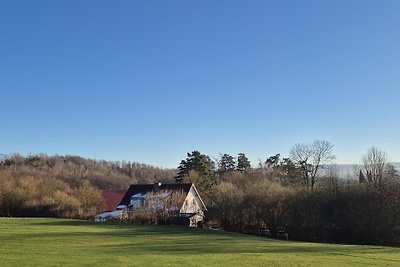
(136,203)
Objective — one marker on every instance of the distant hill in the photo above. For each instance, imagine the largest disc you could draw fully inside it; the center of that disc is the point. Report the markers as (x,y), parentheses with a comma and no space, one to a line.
(74,169)
(350,171)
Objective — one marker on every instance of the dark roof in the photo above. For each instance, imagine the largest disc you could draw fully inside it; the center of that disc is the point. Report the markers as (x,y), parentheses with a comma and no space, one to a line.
(112,198)
(146,188)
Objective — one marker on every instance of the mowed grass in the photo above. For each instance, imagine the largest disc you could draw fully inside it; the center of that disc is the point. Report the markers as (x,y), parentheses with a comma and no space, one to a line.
(57,242)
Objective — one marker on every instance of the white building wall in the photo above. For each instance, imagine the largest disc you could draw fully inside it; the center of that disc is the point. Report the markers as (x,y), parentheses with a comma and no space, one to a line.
(192,203)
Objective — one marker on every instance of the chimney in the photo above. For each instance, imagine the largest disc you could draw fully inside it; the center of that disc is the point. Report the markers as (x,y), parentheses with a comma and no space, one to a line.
(157,186)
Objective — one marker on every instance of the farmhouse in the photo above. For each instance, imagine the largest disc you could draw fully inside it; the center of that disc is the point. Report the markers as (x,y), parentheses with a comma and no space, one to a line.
(171,202)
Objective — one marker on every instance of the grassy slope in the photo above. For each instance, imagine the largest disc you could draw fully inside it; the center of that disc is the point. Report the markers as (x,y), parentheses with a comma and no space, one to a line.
(52,242)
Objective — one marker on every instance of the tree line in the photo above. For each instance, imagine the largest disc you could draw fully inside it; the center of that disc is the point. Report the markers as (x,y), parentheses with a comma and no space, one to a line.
(300,197)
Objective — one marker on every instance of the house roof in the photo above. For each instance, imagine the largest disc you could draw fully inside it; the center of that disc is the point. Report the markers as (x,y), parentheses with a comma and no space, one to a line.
(146,188)
(112,198)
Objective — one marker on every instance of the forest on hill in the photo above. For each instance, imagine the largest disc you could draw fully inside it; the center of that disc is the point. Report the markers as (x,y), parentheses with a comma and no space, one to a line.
(66,186)
(73,170)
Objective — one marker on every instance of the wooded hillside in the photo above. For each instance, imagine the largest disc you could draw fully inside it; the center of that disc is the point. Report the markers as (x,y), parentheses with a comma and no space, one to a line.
(74,169)
(66,186)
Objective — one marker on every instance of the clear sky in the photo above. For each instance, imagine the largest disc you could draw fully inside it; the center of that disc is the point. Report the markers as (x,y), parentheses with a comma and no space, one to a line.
(149,81)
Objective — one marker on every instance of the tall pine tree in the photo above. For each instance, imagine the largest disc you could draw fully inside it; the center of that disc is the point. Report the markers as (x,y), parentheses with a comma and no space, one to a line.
(243,163)
(199,163)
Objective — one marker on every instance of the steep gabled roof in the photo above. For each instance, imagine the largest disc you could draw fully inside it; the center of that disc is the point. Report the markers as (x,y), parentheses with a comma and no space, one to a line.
(112,198)
(147,188)
(198,195)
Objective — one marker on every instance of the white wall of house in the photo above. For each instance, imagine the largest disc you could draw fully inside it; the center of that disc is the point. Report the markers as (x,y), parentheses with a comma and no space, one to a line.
(192,203)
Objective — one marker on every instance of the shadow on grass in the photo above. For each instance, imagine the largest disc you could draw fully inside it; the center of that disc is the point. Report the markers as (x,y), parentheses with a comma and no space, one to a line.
(195,248)
(127,239)
(134,229)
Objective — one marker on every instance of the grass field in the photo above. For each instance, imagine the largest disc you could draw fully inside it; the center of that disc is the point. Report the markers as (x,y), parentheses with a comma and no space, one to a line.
(55,242)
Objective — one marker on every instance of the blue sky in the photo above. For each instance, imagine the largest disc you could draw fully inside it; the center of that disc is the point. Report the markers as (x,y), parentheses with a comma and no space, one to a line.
(149,81)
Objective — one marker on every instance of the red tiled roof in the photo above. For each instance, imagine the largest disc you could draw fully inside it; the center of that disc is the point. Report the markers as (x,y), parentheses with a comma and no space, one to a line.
(112,198)
(146,188)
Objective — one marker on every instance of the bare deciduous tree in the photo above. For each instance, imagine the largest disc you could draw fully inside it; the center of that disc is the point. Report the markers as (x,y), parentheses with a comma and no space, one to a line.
(374,163)
(312,158)
(157,207)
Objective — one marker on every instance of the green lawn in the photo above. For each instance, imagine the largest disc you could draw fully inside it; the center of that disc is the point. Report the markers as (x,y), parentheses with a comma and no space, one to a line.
(54,242)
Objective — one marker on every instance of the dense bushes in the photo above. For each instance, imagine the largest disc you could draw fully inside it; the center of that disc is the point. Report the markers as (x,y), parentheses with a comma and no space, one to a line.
(350,212)
(249,204)
(29,196)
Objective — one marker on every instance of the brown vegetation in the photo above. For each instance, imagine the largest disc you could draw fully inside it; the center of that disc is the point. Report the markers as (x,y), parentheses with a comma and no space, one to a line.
(160,207)
(65,186)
